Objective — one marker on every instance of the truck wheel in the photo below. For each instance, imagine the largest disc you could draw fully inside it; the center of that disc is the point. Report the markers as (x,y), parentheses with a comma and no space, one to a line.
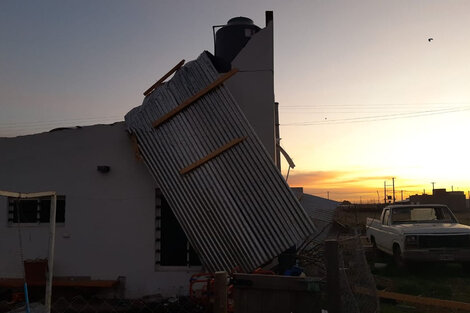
(375,251)
(397,257)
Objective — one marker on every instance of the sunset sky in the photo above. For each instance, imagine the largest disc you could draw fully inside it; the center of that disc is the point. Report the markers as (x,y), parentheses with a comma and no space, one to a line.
(364,95)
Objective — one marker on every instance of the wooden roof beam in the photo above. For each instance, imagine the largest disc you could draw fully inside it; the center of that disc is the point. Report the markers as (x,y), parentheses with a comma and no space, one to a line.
(194,98)
(164,77)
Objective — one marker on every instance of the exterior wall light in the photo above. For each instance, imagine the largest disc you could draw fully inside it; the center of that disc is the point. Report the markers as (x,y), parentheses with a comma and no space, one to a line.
(103,168)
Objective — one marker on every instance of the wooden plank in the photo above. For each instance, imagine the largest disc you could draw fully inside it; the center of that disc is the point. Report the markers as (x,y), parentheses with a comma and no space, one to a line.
(161,80)
(274,282)
(86,283)
(27,195)
(413,299)
(211,155)
(220,292)
(18,283)
(192,99)
(424,300)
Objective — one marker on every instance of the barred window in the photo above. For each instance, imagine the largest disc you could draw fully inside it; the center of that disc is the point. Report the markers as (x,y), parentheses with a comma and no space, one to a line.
(34,210)
(172,246)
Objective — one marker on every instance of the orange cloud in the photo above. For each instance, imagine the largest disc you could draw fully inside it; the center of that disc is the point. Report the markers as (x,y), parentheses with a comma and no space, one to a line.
(348,185)
(333,178)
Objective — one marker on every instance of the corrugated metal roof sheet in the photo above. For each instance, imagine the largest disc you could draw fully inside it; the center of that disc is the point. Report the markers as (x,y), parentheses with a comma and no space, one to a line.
(236,209)
(319,208)
(322,212)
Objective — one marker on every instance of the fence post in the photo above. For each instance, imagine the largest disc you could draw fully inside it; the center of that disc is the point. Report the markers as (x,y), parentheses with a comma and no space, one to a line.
(220,292)
(332,276)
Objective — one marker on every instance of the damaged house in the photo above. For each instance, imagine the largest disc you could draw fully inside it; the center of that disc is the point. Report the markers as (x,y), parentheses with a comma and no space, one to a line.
(190,181)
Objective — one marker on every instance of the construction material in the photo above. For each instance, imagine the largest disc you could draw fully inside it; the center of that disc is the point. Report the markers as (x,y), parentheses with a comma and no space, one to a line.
(220,296)
(237,209)
(275,294)
(212,155)
(164,77)
(194,98)
(60,282)
(448,304)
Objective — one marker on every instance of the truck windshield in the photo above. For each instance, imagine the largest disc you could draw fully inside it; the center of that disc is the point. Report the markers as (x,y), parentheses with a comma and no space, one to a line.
(422,215)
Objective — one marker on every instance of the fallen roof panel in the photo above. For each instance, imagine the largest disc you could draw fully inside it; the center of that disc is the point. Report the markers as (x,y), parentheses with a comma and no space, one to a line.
(235,208)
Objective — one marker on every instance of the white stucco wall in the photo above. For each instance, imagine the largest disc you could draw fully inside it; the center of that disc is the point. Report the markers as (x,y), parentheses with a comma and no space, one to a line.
(109,228)
(253,86)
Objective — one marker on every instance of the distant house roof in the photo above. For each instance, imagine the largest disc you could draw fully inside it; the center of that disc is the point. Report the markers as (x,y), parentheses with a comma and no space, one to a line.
(322,212)
(233,204)
(318,208)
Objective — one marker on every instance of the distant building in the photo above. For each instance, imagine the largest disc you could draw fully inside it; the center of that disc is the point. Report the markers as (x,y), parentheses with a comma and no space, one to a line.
(453,199)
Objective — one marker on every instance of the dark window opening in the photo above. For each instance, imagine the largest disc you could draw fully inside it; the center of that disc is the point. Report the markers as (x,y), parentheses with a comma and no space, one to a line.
(36,210)
(174,248)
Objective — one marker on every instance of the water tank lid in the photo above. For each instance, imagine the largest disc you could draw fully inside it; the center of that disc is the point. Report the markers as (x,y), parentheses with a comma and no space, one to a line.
(240,21)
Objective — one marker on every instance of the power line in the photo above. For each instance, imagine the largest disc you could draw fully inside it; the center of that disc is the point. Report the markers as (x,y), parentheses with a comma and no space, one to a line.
(380,117)
(362,105)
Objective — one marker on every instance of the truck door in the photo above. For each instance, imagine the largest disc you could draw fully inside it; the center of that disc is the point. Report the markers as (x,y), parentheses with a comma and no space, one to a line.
(383,240)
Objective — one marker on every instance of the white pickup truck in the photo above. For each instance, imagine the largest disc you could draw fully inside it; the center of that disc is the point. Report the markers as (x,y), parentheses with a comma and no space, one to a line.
(424,233)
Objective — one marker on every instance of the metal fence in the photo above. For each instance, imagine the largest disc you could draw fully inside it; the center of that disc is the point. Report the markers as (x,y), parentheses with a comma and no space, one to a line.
(350,285)
(357,284)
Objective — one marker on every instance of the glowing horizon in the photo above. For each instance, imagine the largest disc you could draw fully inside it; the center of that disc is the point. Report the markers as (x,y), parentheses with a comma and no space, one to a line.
(354,187)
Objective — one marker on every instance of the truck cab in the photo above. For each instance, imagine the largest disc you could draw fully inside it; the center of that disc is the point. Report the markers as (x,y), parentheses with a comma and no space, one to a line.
(423,233)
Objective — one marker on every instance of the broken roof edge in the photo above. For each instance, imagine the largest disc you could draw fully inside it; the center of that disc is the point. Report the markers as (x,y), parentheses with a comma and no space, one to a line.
(218,64)
(61,129)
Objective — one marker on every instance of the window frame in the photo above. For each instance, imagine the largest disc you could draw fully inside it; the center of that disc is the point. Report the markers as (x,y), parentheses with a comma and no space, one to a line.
(159,198)
(10,205)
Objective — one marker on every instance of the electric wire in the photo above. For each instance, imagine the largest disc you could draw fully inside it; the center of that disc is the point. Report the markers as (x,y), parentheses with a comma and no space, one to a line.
(379,117)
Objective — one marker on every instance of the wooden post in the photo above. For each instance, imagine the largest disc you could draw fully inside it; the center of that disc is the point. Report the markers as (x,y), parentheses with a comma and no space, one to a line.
(52,218)
(332,276)
(220,292)
(50,270)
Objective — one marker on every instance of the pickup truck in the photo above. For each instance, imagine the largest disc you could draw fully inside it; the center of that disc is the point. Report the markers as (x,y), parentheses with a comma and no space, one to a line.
(420,233)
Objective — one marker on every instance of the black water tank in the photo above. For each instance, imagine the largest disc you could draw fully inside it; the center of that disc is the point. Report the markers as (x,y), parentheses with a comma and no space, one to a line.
(231,38)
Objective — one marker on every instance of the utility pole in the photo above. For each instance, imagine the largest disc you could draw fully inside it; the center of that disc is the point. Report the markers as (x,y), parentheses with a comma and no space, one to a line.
(433,186)
(385,191)
(328,195)
(401,195)
(378,196)
(393,186)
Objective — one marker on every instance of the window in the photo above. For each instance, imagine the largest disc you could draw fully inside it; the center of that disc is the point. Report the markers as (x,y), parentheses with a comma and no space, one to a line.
(171,244)
(422,215)
(386,218)
(35,210)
